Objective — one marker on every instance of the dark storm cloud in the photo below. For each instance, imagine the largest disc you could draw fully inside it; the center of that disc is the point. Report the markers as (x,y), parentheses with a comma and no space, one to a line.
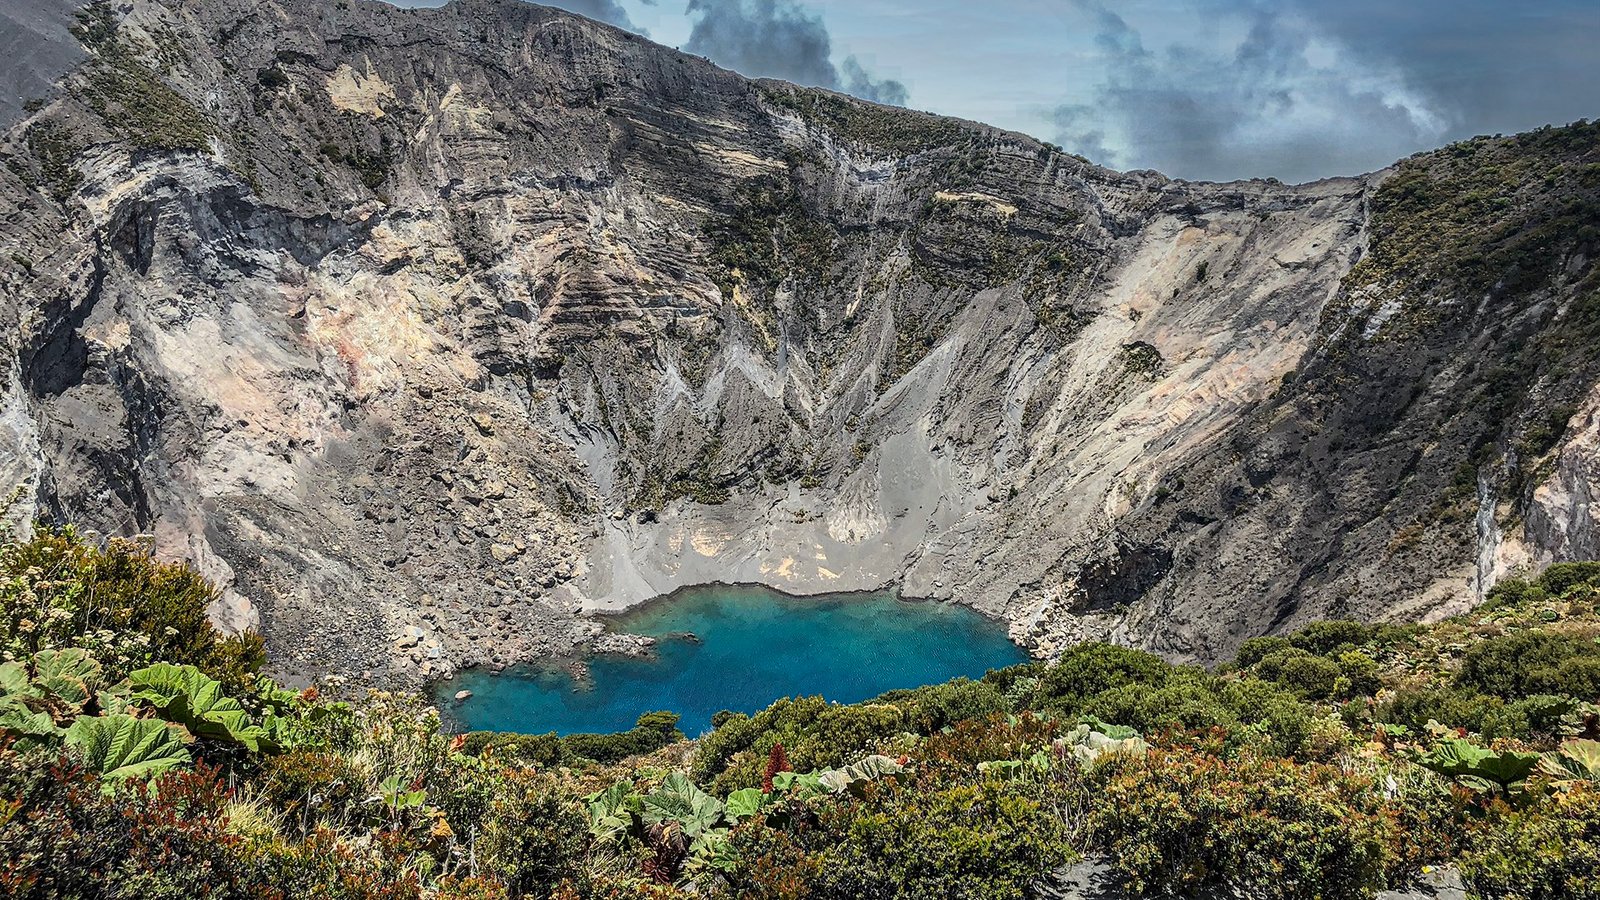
(1280,99)
(781,39)
(1493,65)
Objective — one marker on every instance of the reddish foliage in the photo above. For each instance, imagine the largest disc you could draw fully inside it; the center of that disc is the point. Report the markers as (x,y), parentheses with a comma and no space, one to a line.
(777,761)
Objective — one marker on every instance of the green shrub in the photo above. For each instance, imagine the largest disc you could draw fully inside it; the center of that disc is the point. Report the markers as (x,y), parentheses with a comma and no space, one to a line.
(993,840)
(1562,577)
(1086,670)
(543,750)
(1540,718)
(1414,707)
(1014,678)
(1256,649)
(535,835)
(1516,665)
(1323,638)
(928,709)
(956,754)
(326,866)
(1546,851)
(1576,676)
(780,722)
(843,734)
(1359,675)
(1312,677)
(129,609)
(650,733)
(1184,704)
(312,787)
(1181,823)
(1513,592)
(834,736)
(1276,714)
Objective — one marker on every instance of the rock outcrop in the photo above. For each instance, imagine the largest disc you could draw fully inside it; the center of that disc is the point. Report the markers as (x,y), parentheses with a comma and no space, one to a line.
(429,333)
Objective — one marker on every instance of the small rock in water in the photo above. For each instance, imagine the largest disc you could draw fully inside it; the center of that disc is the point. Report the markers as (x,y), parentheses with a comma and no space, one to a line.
(462,696)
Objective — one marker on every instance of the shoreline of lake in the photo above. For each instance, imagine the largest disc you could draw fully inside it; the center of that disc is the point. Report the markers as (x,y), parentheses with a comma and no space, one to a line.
(866,642)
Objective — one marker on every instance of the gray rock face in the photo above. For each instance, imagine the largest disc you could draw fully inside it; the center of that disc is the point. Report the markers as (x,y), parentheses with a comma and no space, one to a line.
(428,333)
(38,49)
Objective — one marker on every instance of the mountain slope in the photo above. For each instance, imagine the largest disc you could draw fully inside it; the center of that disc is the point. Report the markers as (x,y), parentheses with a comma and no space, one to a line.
(488,317)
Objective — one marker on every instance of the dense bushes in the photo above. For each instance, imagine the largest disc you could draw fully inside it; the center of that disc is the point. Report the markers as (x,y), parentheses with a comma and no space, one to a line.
(60,590)
(1546,852)
(816,734)
(650,733)
(1529,662)
(1087,670)
(1184,822)
(929,709)
(535,835)
(62,836)
(989,840)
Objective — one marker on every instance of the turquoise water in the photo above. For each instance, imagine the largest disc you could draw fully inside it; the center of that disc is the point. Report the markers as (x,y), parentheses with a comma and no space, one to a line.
(752,647)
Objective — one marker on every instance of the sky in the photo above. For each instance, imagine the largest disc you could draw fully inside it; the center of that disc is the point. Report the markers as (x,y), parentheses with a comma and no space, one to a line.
(1200,89)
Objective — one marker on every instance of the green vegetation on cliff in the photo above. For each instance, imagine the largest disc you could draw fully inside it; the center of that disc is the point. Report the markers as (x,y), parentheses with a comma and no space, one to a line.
(143,755)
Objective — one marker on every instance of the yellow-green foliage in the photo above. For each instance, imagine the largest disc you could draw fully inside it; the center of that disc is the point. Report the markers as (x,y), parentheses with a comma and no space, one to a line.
(60,589)
(1545,852)
(1180,822)
(129,95)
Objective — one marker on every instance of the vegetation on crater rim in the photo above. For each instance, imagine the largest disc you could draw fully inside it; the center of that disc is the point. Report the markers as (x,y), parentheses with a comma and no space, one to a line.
(143,755)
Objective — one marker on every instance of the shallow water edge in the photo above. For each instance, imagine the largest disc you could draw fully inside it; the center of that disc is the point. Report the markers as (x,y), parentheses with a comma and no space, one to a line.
(750,645)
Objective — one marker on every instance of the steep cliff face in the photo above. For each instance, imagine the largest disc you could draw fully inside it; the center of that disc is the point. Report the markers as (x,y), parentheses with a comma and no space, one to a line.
(429,333)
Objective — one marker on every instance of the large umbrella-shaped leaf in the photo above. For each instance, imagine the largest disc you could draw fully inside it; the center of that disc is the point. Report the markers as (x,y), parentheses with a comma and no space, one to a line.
(72,675)
(57,683)
(122,747)
(185,695)
(29,729)
(744,803)
(679,800)
(611,810)
(1576,761)
(1462,759)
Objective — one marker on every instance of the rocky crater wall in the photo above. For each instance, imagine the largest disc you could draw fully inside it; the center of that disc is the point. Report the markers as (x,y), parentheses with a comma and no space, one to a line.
(429,333)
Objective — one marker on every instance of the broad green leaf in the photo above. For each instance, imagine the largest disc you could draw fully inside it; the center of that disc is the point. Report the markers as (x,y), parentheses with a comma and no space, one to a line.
(186,696)
(804,783)
(611,810)
(1462,759)
(1577,760)
(14,678)
(122,747)
(1585,753)
(852,777)
(744,803)
(679,800)
(712,850)
(71,675)
(31,730)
